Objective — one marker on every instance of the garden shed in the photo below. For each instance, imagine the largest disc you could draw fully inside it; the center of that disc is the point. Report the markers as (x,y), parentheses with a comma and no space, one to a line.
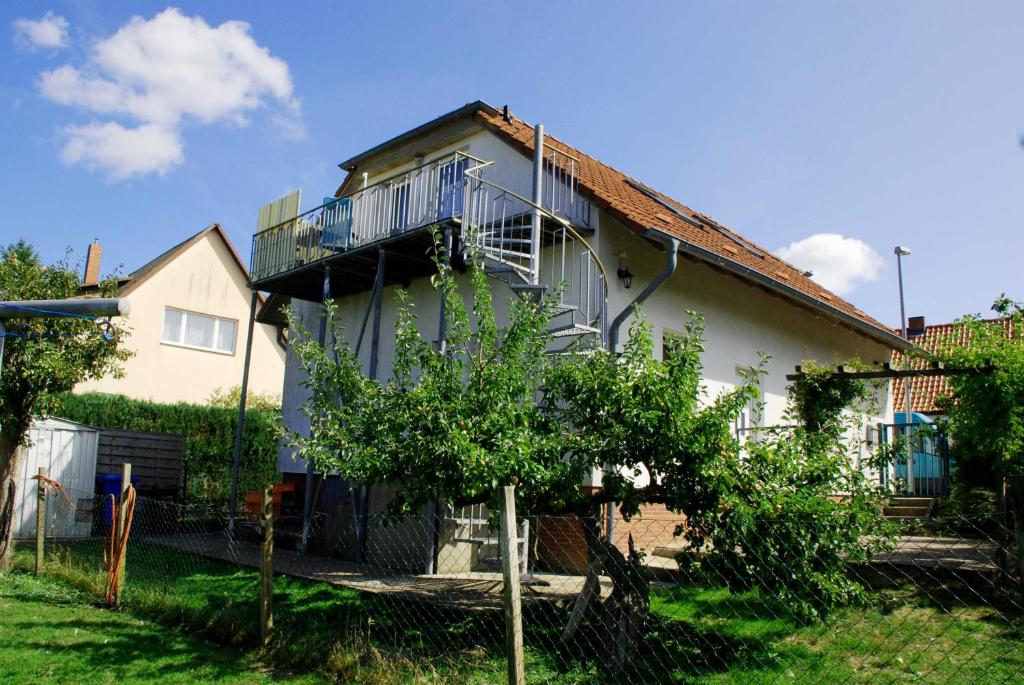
(67,450)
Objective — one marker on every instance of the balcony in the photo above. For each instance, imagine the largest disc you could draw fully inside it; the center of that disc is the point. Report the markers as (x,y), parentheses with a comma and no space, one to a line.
(289,258)
(424,196)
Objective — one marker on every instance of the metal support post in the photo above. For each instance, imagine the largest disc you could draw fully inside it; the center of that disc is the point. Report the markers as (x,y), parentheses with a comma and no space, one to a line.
(537,222)
(378,305)
(236,458)
(307,505)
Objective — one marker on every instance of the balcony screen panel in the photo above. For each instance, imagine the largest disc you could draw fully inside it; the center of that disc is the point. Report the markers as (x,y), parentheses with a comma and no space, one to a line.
(199,330)
(172,326)
(226,335)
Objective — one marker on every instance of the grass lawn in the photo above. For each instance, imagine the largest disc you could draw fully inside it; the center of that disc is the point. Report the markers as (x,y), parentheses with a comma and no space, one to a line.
(52,633)
(909,636)
(697,634)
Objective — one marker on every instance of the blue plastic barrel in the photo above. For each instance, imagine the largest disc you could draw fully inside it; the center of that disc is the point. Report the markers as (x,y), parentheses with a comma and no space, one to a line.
(110,484)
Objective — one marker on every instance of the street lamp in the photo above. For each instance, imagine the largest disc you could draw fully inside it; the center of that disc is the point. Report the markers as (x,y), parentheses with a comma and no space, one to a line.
(901,252)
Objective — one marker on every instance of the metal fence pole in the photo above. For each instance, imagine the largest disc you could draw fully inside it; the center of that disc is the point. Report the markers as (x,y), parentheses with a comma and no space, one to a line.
(510,573)
(40,518)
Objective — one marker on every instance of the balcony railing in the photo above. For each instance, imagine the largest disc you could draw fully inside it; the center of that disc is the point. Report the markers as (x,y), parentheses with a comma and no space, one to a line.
(428,194)
(422,196)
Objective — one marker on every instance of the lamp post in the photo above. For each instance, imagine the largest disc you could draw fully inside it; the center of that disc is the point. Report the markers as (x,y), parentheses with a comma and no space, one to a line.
(901,252)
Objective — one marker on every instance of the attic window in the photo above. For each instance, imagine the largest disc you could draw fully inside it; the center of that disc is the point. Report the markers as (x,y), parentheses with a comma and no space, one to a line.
(199,331)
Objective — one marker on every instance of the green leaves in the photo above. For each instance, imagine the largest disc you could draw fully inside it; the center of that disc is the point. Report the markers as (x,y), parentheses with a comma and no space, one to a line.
(491,408)
(454,423)
(47,356)
(986,409)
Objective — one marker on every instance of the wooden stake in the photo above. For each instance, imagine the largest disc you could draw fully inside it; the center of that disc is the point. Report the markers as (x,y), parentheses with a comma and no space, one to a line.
(121,523)
(510,571)
(40,518)
(267,567)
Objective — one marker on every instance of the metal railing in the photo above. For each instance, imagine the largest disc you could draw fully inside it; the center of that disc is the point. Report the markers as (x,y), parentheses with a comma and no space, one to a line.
(497,221)
(425,195)
(422,196)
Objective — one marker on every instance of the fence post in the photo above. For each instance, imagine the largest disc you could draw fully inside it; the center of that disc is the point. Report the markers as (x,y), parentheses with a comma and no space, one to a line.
(122,523)
(1014,488)
(40,518)
(267,566)
(510,571)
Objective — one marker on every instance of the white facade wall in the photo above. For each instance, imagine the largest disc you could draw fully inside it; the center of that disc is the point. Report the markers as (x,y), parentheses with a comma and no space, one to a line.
(741,319)
(204,279)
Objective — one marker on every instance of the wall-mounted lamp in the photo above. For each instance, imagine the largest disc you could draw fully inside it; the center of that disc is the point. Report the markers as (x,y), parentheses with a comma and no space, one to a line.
(624,274)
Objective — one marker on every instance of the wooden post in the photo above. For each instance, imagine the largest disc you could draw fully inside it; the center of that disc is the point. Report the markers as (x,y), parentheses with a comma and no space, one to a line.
(40,518)
(510,571)
(267,567)
(121,523)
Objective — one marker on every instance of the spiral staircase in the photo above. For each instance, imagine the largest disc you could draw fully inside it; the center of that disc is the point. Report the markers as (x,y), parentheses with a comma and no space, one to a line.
(536,245)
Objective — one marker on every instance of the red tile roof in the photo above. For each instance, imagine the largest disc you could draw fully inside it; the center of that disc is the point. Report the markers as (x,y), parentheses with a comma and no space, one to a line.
(640,207)
(925,391)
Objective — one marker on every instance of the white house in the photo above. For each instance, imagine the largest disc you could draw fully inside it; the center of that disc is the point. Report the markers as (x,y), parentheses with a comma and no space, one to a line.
(611,238)
(187,330)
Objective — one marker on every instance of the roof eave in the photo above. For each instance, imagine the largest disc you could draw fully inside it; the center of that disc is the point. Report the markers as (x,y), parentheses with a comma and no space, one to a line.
(467,110)
(705,255)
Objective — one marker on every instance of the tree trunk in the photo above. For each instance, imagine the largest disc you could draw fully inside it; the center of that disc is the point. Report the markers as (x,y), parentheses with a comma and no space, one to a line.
(10,465)
(623,616)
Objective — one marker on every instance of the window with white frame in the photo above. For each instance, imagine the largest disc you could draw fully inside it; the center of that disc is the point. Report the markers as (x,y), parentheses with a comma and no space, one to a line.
(199,331)
(749,420)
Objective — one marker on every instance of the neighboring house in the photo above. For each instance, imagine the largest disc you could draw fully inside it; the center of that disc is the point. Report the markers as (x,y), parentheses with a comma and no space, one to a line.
(609,237)
(190,307)
(926,391)
(932,465)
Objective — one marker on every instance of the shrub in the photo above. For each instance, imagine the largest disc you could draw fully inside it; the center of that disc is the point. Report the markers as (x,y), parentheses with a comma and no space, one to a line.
(209,437)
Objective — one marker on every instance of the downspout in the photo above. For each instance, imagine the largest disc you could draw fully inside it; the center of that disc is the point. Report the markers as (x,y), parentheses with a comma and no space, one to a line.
(671,244)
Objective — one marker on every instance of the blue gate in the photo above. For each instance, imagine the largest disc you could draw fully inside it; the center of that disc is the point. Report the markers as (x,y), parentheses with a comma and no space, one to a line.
(931,464)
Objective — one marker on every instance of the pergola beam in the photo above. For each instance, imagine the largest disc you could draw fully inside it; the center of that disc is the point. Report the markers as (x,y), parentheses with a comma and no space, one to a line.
(935,369)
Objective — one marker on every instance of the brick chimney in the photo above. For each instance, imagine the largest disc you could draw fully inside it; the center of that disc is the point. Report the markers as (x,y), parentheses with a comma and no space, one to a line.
(92,264)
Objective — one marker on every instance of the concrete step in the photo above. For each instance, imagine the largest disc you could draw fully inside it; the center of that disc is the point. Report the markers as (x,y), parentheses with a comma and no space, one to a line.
(918,512)
(909,508)
(911,501)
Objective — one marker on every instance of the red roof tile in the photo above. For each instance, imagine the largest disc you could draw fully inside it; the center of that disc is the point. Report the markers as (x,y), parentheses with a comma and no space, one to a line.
(925,391)
(638,207)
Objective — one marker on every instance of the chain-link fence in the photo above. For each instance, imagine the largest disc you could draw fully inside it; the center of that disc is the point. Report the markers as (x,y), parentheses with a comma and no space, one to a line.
(420,598)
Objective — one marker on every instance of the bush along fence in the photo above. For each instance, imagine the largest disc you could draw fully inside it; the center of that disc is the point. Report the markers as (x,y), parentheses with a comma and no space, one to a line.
(468,595)
(209,434)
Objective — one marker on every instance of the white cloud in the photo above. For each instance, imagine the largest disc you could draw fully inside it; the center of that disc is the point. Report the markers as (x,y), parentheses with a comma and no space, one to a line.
(839,263)
(166,72)
(123,152)
(49,32)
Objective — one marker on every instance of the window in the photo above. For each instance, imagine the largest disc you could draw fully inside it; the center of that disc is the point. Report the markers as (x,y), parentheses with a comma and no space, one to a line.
(200,331)
(749,420)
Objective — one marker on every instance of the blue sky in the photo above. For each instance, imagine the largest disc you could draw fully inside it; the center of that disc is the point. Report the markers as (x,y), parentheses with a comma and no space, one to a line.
(881,122)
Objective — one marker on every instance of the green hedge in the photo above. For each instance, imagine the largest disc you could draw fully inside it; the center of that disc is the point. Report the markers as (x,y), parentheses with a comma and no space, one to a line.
(209,438)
